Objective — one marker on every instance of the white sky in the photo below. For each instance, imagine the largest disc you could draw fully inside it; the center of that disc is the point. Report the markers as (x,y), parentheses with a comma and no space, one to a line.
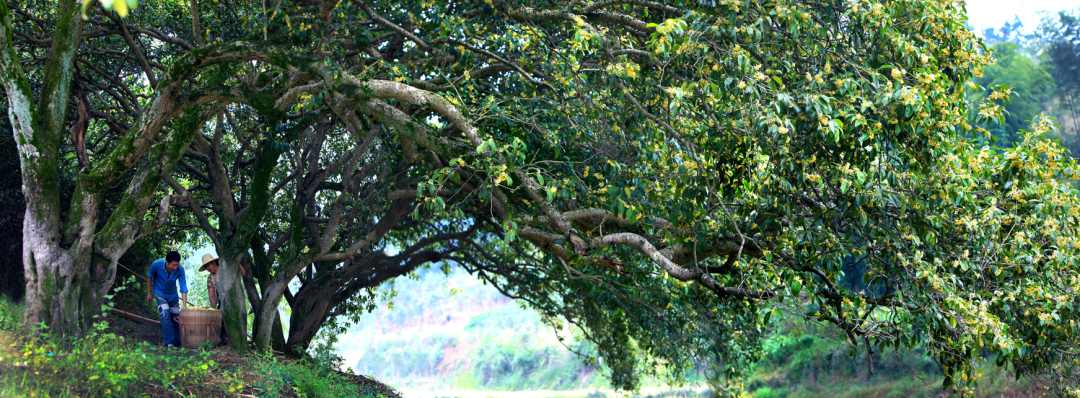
(984,14)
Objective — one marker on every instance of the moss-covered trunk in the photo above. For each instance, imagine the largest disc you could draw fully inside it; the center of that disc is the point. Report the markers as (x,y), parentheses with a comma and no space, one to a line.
(59,291)
(69,265)
(320,297)
(267,320)
(234,307)
(234,243)
(261,267)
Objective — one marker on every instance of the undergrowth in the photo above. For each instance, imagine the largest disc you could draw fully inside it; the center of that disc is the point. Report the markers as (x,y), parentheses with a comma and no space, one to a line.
(104,364)
(10,314)
(798,365)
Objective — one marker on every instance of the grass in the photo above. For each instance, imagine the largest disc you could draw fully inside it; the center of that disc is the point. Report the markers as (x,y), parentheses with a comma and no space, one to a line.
(108,362)
(808,365)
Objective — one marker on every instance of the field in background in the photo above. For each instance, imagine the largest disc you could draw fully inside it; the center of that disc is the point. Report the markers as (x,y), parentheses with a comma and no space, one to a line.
(452,336)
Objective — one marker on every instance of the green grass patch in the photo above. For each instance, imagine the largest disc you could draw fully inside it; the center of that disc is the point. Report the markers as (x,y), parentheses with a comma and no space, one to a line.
(306,378)
(11,314)
(101,364)
(106,364)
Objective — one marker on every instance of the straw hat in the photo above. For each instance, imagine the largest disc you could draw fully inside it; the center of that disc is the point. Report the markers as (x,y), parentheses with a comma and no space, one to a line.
(206,259)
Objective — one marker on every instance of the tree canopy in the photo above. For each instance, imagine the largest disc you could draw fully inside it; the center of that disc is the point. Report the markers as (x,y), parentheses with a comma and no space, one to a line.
(665,176)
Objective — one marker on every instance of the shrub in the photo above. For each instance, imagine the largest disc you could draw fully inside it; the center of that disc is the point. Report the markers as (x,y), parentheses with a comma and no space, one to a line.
(101,364)
(11,314)
(309,378)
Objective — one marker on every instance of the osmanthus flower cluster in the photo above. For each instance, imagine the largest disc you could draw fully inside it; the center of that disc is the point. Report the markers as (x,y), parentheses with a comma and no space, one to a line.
(663,175)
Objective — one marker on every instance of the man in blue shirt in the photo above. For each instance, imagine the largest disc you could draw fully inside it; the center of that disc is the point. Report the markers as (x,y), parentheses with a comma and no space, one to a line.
(163,277)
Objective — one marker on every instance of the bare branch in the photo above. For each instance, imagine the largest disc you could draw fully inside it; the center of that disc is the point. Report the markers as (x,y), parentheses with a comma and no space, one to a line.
(150,77)
(643,3)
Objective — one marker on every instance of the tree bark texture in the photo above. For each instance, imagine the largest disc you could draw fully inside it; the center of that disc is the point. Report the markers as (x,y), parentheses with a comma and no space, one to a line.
(58,285)
(69,262)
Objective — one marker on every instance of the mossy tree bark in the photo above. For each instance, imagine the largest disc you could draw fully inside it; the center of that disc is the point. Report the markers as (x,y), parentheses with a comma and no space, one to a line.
(70,262)
(54,281)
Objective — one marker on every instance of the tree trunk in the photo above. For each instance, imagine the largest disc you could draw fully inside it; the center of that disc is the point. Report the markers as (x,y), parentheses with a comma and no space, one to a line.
(65,281)
(60,293)
(69,281)
(266,316)
(1072,110)
(317,299)
(234,308)
(310,310)
(69,266)
(260,272)
(277,335)
(267,320)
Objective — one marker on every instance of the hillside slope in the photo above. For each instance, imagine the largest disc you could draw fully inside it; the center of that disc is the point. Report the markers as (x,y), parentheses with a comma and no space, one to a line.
(461,334)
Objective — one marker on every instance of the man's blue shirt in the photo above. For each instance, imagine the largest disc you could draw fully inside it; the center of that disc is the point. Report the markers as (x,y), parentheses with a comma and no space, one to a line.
(164,281)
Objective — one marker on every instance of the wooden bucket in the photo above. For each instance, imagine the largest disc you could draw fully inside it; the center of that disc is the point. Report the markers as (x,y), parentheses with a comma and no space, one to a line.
(198,326)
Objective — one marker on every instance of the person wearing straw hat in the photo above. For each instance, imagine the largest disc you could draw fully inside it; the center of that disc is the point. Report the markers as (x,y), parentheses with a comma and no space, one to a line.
(162,278)
(210,264)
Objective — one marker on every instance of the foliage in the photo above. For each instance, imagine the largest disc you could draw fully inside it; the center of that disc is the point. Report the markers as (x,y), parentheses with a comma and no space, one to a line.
(1029,84)
(661,176)
(304,379)
(800,362)
(1063,50)
(102,364)
(11,314)
(122,7)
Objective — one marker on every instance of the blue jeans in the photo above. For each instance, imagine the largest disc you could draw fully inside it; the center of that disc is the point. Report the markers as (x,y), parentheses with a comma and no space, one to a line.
(169,312)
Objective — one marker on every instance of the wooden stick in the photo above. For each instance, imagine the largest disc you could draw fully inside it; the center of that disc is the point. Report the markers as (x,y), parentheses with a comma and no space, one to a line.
(134,317)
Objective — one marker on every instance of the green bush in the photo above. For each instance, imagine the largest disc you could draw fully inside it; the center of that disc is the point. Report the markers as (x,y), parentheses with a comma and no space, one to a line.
(308,378)
(808,365)
(11,314)
(101,364)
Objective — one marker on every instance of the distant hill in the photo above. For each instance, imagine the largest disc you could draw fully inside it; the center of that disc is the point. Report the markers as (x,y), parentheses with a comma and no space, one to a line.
(464,335)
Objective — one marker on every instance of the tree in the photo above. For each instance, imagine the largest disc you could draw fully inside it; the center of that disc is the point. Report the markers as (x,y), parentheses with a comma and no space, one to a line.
(1011,31)
(1064,53)
(337,189)
(1029,83)
(664,176)
(70,262)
